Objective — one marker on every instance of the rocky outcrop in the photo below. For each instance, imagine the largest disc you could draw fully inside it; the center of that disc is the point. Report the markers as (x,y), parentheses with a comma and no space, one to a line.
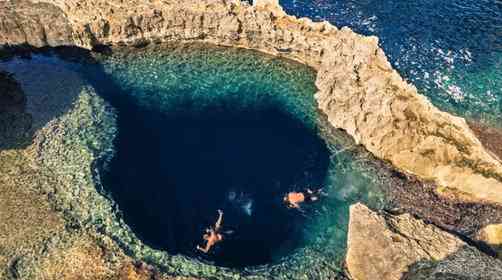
(35,24)
(465,264)
(388,247)
(492,236)
(358,89)
(491,137)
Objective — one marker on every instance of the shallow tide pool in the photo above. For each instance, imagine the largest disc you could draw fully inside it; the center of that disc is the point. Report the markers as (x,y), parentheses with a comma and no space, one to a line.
(202,128)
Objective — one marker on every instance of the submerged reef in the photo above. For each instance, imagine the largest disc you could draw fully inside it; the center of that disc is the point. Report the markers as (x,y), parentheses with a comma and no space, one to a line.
(59,144)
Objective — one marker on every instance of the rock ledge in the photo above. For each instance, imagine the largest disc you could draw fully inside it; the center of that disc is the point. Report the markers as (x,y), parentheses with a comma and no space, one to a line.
(388,247)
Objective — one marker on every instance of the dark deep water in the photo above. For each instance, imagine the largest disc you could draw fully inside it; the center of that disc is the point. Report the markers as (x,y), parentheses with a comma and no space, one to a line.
(200,129)
(172,172)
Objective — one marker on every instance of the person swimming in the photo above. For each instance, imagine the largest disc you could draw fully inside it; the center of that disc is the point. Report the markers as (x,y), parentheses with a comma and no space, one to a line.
(294,199)
(213,235)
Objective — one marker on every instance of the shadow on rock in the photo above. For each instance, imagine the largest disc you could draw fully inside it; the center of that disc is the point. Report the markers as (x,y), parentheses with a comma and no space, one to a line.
(34,92)
(15,123)
(490,137)
(466,263)
(385,246)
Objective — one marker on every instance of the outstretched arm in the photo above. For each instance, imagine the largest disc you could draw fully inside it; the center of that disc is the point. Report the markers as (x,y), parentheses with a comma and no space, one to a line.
(217,226)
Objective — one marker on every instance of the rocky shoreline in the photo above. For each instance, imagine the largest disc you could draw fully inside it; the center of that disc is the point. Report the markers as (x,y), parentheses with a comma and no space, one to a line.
(358,89)
(448,177)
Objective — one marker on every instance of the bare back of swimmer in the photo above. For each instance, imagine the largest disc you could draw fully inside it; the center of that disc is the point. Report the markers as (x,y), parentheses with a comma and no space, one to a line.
(294,199)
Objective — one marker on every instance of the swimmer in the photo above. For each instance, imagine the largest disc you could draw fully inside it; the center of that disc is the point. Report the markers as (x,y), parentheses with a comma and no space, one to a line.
(213,235)
(294,199)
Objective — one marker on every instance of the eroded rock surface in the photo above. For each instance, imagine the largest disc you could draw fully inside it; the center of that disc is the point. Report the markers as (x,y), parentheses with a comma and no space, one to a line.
(384,246)
(491,137)
(492,236)
(36,24)
(465,264)
(358,89)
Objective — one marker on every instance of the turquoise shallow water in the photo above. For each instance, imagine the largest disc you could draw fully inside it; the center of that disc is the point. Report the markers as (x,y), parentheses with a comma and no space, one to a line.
(187,90)
(451,50)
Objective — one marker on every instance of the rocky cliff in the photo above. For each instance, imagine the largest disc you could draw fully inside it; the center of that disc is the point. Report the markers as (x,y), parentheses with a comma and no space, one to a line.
(358,89)
(394,247)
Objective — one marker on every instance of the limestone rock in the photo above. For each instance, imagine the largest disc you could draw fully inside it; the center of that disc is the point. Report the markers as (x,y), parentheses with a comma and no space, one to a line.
(358,89)
(492,235)
(272,5)
(23,22)
(387,247)
(491,137)
(465,264)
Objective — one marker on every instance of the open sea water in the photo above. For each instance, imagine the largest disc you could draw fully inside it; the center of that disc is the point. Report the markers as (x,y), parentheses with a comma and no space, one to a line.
(451,50)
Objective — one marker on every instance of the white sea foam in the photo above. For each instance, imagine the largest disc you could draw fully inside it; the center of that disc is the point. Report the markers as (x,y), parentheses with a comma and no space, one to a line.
(456,92)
